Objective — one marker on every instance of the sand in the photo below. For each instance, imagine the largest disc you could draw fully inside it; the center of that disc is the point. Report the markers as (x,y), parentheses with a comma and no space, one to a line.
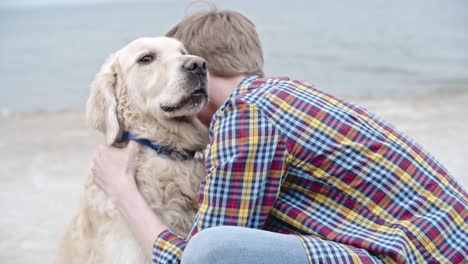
(44,158)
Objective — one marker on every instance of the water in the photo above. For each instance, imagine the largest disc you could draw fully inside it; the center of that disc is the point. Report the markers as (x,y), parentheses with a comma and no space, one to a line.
(49,54)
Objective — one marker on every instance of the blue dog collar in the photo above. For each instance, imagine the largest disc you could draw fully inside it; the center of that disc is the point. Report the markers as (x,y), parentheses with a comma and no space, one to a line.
(181,154)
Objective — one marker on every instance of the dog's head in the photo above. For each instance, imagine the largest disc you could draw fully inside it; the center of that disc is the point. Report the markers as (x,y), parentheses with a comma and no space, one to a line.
(151,76)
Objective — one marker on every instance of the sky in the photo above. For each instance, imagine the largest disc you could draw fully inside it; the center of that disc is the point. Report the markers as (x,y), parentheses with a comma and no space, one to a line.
(31,3)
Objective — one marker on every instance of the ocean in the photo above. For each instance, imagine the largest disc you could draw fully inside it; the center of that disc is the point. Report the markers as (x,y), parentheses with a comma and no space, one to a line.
(368,48)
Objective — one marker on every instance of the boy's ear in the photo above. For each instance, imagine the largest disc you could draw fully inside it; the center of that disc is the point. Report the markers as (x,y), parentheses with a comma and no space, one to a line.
(101,107)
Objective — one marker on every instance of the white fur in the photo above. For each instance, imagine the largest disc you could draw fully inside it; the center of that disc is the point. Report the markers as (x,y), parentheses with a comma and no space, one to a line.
(127,96)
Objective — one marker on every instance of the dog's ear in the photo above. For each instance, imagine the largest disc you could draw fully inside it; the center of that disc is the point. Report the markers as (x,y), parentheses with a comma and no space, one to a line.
(101,108)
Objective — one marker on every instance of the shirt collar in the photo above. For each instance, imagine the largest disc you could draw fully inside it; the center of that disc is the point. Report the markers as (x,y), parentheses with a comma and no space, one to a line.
(244,85)
(241,88)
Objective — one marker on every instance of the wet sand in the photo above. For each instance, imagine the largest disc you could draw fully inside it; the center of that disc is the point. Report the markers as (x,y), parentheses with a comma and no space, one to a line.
(44,158)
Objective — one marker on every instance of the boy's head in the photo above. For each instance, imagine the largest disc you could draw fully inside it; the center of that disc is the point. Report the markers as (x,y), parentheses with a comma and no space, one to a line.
(227,40)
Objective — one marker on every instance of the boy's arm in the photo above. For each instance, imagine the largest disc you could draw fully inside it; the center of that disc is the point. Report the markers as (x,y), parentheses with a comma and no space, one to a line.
(114,172)
(246,164)
(144,224)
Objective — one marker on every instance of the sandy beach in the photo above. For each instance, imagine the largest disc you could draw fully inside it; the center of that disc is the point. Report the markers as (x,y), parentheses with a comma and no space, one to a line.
(45,156)
(410,56)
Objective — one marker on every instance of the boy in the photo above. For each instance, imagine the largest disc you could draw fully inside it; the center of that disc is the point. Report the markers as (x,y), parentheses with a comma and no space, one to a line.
(294,175)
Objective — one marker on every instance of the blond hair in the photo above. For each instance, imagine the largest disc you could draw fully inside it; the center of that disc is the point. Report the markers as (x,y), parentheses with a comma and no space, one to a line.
(227,40)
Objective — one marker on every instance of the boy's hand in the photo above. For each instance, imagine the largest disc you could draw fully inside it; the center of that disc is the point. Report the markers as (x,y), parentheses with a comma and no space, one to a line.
(114,170)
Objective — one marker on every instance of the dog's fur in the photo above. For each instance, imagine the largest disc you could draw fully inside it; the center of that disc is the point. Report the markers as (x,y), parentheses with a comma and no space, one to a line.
(128,95)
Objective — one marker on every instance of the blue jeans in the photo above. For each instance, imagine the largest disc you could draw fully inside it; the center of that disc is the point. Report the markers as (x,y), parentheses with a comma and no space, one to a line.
(239,245)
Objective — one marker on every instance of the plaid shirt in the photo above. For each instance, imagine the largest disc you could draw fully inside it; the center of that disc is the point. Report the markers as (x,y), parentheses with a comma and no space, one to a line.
(289,158)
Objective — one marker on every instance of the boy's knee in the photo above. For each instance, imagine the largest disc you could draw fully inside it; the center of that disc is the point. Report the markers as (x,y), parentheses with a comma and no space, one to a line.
(209,246)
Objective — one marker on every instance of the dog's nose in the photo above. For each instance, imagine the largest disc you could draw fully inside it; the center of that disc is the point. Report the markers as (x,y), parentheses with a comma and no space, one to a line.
(196,65)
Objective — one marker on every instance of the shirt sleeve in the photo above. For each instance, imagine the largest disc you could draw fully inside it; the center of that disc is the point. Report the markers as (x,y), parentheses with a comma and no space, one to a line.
(245,167)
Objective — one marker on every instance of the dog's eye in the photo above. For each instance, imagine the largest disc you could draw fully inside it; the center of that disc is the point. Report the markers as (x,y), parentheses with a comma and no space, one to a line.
(146,59)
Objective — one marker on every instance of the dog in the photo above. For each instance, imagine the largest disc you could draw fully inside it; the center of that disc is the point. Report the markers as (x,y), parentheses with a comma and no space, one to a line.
(149,91)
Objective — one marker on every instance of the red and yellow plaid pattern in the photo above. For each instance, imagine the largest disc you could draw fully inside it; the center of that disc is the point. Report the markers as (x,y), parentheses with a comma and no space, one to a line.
(289,158)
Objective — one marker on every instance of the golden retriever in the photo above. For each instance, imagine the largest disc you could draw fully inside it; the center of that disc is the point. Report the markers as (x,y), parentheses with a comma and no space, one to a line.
(153,90)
